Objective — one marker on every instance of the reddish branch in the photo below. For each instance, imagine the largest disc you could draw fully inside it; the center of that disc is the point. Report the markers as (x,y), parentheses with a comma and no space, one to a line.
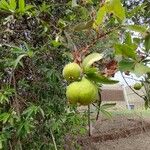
(79,54)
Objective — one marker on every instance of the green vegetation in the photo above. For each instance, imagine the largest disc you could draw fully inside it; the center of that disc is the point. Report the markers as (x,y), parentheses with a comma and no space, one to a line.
(38,38)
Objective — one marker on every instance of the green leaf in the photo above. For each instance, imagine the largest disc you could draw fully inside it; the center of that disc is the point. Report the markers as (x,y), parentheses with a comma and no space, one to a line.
(108,105)
(125,50)
(17,61)
(147,43)
(106,113)
(28,7)
(100,79)
(90,59)
(136,10)
(30,111)
(100,16)
(128,39)
(126,65)
(21,6)
(137,28)
(4,5)
(4,117)
(141,69)
(12,4)
(84,26)
(115,7)
(70,42)
(55,43)
(91,70)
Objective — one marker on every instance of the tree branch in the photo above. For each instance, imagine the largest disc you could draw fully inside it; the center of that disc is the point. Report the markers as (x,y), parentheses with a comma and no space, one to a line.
(131,87)
(101,36)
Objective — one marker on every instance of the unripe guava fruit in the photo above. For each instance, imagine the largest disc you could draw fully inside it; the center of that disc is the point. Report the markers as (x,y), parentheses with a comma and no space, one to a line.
(83,92)
(72,71)
(137,86)
(72,92)
(88,92)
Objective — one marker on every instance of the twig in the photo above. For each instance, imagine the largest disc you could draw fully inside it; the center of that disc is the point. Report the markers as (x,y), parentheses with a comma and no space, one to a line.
(89,121)
(10,146)
(99,105)
(101,36)
(135,79)
(16,100)
(20,145)
(17,104)
(53,138)
(131,87)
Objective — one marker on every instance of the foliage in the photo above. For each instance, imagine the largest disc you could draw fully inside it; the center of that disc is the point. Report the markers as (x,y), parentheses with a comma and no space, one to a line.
(37,38)
(11,6)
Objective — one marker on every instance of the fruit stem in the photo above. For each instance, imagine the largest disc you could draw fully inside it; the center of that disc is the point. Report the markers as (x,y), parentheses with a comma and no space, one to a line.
(89,121)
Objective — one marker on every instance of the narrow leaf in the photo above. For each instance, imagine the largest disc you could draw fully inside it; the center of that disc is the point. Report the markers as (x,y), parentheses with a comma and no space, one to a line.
(4,5)
(108,105)
(141,69)
(21,6)
(100,79)
(106,113)
(83,26)
(137,28)
(147,43)
(90,59)
(128,39)
(70,43)
(4,117)
(12,4)
(100,17)
(136,10)
(28,7)
(115,7)
(91,70)
(17,61)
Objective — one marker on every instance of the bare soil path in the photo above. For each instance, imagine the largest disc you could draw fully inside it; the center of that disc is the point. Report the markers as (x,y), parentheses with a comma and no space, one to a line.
(120,133)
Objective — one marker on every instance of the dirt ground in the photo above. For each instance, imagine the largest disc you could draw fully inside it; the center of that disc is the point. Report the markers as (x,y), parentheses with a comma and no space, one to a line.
(120,133)
(137,142)
(126,130)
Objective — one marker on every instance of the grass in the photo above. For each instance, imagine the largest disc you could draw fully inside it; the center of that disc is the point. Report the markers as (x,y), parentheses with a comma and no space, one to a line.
(127,112)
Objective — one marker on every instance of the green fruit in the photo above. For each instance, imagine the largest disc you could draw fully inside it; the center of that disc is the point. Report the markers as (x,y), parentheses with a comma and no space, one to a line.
(137,86)
(83,92)
(88,92)
(72,92)
(72,71)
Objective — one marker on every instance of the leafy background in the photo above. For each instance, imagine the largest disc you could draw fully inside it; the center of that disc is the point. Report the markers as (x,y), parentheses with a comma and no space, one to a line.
(36,40)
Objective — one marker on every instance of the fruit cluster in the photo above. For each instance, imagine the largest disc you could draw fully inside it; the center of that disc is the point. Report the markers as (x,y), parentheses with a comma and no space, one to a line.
(81,90)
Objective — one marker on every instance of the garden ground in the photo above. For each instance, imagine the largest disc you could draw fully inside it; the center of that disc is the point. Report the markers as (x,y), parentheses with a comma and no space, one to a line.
(126,130)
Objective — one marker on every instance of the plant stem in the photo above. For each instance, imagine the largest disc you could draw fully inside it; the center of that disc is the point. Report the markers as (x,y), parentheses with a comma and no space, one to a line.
(101,36)
(99,104)
(53,138)
(17,104)
(89,121)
